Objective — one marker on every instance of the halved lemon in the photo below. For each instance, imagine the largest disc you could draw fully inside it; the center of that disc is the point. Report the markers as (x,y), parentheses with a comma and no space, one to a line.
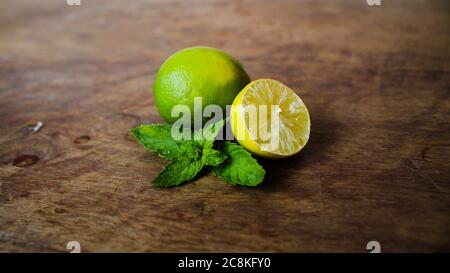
(269,119)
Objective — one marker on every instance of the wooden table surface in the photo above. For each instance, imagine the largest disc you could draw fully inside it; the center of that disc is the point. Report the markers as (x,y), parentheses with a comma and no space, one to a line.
(376,80)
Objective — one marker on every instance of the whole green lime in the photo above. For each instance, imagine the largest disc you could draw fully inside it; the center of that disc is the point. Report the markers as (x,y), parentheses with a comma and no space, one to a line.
(205,72)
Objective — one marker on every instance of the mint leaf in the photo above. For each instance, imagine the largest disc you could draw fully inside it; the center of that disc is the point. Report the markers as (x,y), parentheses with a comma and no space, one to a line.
(157,138)
(208,134)
(189,163)
(240,168)
(189,156)
(212,157)
(179,171)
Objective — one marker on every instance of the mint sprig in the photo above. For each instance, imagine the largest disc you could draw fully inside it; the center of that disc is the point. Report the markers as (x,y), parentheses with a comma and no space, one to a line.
(229,161)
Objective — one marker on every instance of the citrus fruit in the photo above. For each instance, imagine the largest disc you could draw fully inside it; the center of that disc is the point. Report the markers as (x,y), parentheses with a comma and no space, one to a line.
(262,133)
(204,72)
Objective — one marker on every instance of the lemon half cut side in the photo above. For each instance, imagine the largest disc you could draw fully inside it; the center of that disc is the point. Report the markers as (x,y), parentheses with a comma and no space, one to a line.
(269,119)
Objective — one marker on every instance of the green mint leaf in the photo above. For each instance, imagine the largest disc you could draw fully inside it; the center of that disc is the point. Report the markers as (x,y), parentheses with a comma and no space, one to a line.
(208,134)
(212,157)
(157,138)
(179,171)
(240,168)
(188,164)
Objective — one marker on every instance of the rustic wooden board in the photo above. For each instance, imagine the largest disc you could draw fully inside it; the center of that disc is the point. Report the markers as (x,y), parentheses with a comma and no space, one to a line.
(376,81)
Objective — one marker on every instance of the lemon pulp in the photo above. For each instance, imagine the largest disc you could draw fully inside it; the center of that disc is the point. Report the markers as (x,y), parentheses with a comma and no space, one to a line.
(260,131)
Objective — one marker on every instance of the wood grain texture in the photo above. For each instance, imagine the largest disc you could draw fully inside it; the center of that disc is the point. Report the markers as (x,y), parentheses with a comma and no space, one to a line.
(377,167)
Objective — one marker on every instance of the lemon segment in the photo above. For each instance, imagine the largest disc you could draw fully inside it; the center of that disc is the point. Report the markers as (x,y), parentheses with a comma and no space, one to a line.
(269,119)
